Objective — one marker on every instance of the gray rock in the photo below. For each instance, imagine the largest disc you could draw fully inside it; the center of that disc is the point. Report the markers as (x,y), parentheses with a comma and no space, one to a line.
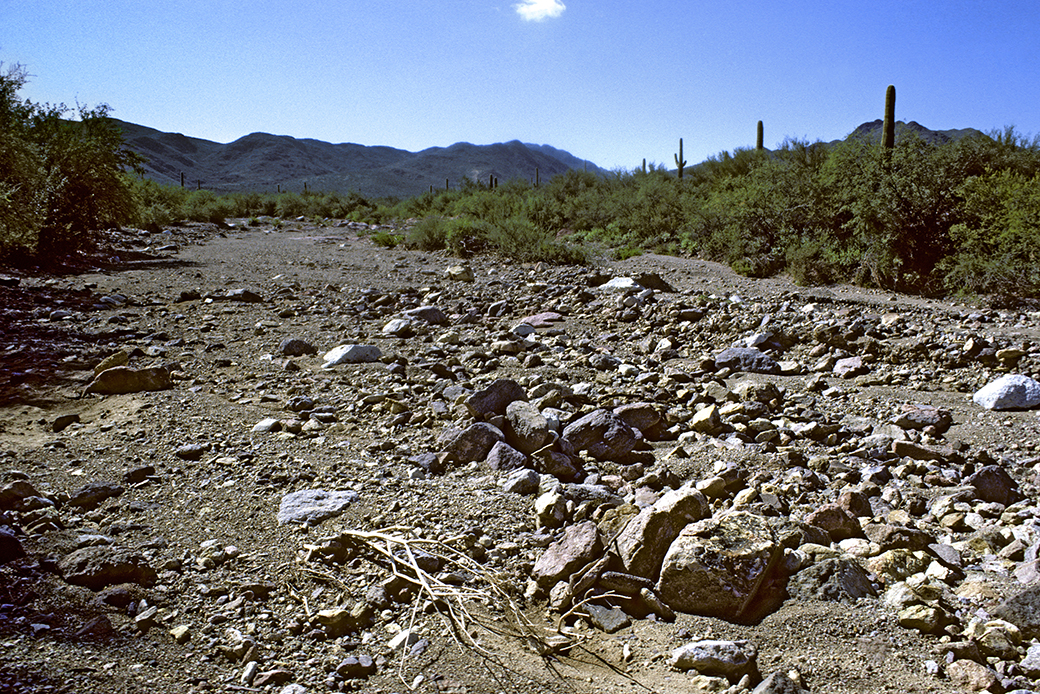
(747,360)
(526,429)
(993,484)
(730,659)
(1022,610)
(244,295)
(779,683)
(427,314)
(352,354)
(522,481)
(14,493)
(103,565)
(399,327)
(727,567)
(356,667)
(90,496)
(646,538)
(504,457)
(495,398)
(1031,663)
(579,545)
(835,521)
(311,506)
(603,434)
(192,451)
(641,416)
(296,347)
(836,579)
(921,416)
(608,619)
(1010,392)
(122,379)
(267,425)
(463,446)
(850,367)
(10,545)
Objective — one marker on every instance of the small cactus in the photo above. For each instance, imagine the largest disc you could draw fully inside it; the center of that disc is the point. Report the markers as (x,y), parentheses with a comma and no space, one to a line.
(888,133)
(679,161)
(761,136)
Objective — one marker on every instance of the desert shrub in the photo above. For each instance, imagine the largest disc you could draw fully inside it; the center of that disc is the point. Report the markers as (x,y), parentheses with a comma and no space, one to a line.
(386,239)
(61,180)
(998,240)
(207,206)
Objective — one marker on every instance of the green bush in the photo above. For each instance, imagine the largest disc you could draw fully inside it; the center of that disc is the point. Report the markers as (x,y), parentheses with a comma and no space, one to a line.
(61,180)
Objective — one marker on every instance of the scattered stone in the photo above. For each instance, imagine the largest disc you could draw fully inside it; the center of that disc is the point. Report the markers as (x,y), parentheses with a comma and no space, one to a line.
(312,506)
(730,659)
(193,451)
(994,485)
(526,428)
(63,422)
(645,540)
(296,347)
(10,546)
(972,676)
(608,619)
(90,496)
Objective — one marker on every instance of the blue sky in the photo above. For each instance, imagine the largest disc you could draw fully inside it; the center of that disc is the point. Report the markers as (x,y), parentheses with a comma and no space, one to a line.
(609,81)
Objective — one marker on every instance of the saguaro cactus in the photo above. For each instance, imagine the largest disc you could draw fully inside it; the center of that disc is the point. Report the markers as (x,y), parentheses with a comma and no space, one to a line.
(679,161)
(759,139)
(888,134)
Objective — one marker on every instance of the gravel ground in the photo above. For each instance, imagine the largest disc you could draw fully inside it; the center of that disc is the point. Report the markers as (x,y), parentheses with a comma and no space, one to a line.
(214,594)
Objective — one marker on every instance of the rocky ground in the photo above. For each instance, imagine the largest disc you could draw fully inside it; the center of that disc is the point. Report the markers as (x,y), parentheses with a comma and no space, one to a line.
(651,475)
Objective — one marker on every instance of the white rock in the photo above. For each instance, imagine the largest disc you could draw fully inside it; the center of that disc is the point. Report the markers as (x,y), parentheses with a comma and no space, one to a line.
(1010,392)
(622,284)
(352,354)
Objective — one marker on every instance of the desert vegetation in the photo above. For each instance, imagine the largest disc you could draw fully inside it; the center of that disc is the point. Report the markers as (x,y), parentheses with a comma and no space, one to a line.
(910,215)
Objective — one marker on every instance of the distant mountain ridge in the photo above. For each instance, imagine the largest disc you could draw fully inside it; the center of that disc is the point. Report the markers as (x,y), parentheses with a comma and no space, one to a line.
(267,163)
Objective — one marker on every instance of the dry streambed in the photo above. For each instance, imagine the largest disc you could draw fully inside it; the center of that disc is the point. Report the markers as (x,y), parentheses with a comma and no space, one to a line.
(290,461)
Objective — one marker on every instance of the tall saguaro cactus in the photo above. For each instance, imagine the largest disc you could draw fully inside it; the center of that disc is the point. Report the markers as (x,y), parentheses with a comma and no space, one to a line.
(679,161)
(888,134)
(760,137)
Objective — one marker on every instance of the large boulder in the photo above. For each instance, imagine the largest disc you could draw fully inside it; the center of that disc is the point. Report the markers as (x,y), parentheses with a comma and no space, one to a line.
(729,567)
(604,435)
(122,379)
(579,546)
(646,538)
(470,444)
(101,566)
(495,398)
(526,428)
(1010,392)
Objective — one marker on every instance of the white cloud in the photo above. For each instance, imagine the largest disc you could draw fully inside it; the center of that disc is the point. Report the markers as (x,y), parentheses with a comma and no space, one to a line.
(537,10)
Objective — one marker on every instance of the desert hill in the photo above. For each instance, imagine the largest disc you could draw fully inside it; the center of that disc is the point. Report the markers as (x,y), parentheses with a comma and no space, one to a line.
(265,162)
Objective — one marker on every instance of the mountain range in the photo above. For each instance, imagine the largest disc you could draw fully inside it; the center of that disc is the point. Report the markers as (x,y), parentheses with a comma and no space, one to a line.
(270,163)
